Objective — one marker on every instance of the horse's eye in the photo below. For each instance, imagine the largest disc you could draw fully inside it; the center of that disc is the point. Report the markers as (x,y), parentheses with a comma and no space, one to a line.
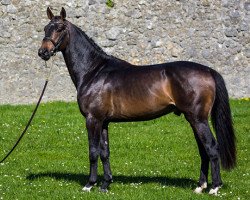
(60,28)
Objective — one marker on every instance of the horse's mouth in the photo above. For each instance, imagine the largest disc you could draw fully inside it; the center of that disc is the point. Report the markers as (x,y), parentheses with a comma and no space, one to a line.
(45,57)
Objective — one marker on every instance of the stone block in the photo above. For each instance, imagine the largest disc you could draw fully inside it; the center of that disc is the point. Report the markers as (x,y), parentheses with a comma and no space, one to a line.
(231,32)
(247,52)
(5,2)
(11,9)
(113,33)
(247,5)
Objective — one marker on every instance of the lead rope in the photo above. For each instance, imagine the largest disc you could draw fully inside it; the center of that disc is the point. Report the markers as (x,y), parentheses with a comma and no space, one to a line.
(32,116)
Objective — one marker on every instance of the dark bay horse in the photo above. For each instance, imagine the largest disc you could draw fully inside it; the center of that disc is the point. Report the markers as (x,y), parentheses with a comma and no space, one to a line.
(113,90)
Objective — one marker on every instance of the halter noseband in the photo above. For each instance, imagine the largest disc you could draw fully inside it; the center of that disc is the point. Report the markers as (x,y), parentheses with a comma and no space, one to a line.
(56,44)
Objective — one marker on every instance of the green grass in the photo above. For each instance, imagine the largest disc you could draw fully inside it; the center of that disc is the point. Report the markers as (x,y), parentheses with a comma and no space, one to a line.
(156,159)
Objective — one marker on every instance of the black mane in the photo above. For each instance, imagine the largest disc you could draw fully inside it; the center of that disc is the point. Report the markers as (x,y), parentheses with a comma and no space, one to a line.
(98,49)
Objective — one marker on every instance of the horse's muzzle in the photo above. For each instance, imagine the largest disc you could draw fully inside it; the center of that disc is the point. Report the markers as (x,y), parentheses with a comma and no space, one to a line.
(44,54)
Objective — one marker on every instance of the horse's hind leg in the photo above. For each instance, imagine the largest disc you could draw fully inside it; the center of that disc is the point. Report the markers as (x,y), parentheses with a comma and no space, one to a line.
(201,128)
(202,184)
(104,147)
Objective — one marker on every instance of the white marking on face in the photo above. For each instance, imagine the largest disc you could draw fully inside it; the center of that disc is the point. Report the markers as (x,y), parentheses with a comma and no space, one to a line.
(106,142)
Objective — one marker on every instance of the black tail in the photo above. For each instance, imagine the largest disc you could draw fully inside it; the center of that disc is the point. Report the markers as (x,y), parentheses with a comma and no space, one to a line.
(223,125)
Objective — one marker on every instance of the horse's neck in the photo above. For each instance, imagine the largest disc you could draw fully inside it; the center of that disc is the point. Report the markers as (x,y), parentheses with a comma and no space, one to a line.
(81,57)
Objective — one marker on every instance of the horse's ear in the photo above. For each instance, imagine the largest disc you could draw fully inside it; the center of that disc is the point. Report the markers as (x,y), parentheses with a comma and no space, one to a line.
(63,13)
(49,13)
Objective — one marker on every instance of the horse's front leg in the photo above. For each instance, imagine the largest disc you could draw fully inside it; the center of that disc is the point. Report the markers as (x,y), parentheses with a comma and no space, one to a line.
(94,127)
(104,147)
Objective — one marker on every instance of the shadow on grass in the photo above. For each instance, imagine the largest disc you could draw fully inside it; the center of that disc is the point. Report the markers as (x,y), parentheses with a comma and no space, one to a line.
(82,179)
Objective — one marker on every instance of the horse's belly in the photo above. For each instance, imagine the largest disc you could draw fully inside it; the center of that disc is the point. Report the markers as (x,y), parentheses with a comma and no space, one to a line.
(141,110)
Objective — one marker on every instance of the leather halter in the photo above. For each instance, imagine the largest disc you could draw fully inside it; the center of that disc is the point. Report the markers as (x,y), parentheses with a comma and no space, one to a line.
(56,44)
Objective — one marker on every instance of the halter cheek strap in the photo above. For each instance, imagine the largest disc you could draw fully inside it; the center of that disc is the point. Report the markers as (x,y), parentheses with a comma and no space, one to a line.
(56,44)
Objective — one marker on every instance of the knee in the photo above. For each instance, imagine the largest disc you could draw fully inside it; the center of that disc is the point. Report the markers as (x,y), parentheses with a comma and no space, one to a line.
(93,155)
(104,155)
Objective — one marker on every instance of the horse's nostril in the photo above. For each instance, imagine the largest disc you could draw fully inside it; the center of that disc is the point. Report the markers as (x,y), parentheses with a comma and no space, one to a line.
(43,52)
(46,52)
(40,52)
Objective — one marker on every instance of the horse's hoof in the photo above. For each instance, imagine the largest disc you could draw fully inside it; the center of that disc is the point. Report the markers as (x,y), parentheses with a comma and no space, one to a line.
(199,190)
(214,191)
(88,187)
(103,190)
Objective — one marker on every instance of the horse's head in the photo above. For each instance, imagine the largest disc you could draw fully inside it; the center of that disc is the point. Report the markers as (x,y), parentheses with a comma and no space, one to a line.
(56,35)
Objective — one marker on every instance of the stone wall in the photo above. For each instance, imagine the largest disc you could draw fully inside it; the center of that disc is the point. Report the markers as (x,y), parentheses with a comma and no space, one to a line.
(211,32)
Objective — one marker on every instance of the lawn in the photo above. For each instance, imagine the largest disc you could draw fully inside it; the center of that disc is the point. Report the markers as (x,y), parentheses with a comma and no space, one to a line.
(156,159)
